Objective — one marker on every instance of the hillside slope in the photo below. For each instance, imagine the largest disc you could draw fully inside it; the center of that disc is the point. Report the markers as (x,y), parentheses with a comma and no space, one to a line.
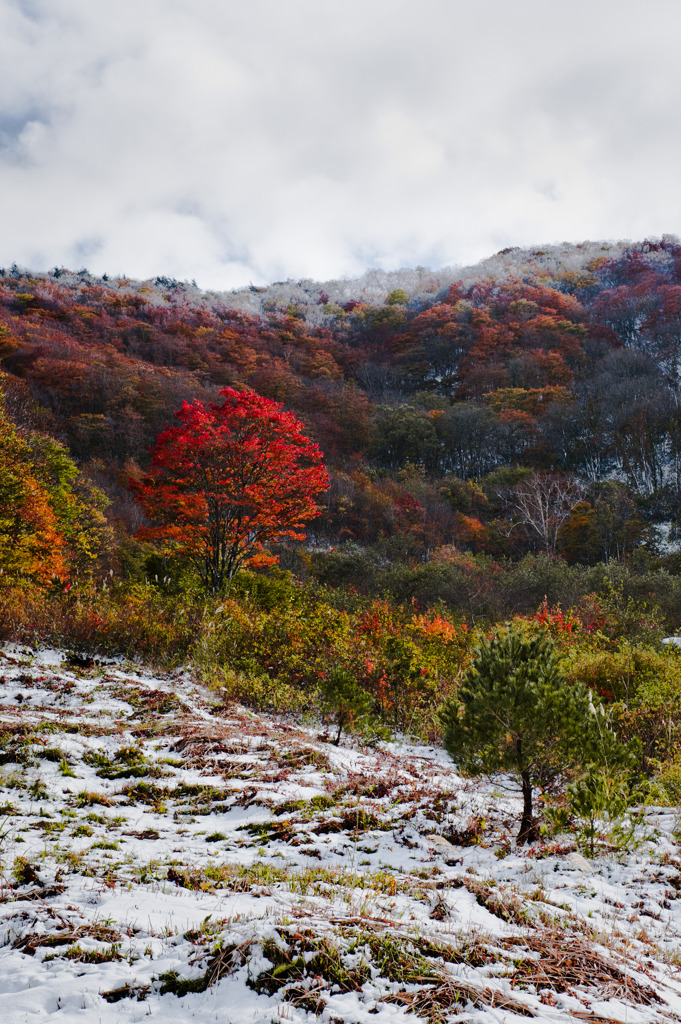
(166,857)
(437,399)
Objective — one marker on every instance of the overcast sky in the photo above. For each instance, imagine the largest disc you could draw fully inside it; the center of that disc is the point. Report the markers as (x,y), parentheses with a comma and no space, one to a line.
(252,141)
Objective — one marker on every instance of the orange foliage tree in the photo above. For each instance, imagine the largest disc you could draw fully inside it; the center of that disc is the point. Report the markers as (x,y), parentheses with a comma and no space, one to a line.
(228,480)
(51,519)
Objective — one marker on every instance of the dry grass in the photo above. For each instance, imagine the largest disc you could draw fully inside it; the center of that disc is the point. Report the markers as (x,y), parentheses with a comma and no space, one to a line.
(30,943)
(564,962)
(436,1002)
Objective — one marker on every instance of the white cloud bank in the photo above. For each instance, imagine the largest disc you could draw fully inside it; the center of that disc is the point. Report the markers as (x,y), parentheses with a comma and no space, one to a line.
(266,139)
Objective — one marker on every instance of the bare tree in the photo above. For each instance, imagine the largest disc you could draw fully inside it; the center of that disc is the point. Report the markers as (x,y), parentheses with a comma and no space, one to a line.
(544,502)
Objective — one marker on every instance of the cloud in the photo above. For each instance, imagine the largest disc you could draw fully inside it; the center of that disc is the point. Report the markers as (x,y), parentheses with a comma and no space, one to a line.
(250,142)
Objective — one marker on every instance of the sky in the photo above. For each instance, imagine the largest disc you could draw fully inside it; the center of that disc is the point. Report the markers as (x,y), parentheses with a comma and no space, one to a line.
(250,142)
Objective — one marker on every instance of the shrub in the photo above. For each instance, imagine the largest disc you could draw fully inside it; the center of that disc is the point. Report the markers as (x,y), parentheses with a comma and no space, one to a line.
(644,688)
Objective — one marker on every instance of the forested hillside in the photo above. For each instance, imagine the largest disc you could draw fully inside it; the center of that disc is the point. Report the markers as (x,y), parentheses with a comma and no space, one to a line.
(530,406)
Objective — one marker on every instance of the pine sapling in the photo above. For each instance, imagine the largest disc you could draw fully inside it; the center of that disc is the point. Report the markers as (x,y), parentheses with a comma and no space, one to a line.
(600,800)
(348,704)
(516,713)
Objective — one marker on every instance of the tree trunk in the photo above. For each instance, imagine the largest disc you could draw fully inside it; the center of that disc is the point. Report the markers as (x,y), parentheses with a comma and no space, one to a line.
(529,832)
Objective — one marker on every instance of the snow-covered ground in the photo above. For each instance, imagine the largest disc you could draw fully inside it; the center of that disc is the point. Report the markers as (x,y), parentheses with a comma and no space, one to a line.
(163,857)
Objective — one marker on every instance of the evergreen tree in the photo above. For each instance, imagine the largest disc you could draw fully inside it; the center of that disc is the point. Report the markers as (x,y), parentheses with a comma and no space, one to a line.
(349,705)
(515,712)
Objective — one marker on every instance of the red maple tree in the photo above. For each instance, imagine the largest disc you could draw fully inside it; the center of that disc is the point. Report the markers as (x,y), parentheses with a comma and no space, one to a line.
(230,479)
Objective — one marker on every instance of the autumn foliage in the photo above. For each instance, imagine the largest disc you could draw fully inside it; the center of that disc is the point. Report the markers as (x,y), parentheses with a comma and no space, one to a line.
(51,518)
(228,480)
(434,402)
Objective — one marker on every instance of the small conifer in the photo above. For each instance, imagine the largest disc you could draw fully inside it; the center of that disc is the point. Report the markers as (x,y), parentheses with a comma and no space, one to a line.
(348,704)
(516,713)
